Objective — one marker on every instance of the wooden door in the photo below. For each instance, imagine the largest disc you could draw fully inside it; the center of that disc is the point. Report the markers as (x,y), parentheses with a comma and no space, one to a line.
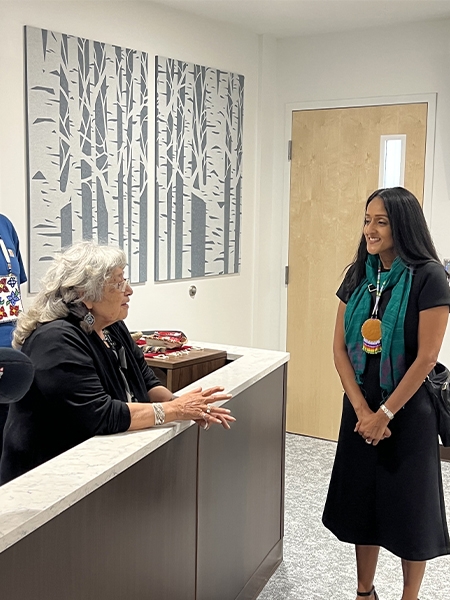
(334,168)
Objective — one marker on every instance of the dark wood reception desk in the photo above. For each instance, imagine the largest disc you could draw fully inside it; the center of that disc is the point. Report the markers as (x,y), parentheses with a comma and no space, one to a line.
(171,513)
(178,371)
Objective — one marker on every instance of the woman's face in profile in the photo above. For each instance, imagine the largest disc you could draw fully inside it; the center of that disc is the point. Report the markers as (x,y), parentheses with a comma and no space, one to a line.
(378,232)
(114,304)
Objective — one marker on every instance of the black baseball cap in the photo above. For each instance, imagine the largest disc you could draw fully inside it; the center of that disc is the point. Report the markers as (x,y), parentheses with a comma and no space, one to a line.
(16,375)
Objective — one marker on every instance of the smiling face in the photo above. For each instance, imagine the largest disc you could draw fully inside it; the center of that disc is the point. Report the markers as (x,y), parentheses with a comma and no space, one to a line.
(114,304)
(378,233)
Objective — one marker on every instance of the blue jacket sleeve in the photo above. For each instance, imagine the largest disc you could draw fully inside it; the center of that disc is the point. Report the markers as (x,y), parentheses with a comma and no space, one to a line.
(18,269)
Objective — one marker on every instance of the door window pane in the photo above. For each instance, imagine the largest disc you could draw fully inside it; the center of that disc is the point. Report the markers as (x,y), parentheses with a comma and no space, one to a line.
(392,160)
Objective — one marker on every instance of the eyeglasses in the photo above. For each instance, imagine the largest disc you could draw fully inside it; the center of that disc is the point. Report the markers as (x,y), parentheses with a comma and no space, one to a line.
(121,286)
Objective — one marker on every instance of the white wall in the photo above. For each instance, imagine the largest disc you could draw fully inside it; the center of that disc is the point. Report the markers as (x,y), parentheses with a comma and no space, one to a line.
(222,310)
(392,61)
(268,273)
(249,308)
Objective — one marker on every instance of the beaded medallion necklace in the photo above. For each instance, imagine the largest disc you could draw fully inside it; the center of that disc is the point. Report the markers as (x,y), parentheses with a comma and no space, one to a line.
(371,328)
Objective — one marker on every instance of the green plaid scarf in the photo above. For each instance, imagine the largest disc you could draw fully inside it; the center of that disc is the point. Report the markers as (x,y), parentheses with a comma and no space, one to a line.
(359,306)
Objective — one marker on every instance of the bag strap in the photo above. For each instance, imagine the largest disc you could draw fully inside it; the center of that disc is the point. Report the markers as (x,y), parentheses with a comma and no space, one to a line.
(6,255)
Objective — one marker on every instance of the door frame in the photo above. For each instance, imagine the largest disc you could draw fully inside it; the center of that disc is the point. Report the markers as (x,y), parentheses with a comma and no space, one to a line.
(430,99)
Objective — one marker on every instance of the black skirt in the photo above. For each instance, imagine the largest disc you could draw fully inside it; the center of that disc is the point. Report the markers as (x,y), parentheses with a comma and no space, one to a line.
(390,495)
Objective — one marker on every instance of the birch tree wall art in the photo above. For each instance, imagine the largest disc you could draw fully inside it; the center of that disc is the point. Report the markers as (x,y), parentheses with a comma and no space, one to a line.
(87,130)
(198,187)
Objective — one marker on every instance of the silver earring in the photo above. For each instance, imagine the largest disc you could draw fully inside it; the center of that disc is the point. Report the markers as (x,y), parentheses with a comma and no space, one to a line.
(89,319)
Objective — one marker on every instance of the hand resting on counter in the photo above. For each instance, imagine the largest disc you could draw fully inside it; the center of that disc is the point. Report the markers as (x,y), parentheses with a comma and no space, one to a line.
(193,406)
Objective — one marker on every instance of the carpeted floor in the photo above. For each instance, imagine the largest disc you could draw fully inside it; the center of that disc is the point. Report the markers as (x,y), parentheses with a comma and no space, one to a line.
(316,566)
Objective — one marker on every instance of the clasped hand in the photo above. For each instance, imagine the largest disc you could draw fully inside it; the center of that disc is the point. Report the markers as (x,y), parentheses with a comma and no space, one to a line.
(372,426)
(196,405)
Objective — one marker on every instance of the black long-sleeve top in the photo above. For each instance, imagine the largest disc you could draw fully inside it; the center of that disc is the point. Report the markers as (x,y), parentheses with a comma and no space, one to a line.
(77,392)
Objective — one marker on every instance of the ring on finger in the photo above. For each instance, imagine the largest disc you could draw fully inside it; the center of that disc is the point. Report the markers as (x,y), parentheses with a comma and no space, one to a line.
(208,408)
(368,441)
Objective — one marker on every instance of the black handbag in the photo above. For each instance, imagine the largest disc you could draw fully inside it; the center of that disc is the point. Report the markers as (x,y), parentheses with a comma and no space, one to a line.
(438,385)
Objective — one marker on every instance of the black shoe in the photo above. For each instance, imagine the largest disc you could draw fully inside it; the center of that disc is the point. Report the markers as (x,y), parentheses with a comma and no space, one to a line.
(372,591)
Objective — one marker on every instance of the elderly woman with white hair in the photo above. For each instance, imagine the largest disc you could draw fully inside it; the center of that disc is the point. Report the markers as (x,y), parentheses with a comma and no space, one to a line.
(90,377)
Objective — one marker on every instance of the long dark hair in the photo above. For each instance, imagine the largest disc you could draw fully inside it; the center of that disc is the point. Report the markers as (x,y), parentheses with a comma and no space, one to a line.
(412,238)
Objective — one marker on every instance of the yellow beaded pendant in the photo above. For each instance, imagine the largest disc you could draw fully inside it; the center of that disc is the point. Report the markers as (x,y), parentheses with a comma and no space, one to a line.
(371,332)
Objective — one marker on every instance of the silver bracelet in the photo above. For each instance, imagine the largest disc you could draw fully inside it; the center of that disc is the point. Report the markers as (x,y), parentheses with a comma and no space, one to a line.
(160,415)
(387,412)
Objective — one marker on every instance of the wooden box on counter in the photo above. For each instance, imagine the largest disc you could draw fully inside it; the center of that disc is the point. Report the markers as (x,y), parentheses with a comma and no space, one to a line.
(176,372)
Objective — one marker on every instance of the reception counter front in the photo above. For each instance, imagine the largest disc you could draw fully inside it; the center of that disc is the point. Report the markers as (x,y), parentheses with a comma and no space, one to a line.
(169,513)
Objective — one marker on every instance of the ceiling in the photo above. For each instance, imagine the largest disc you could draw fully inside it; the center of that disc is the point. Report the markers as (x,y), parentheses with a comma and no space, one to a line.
(284,18)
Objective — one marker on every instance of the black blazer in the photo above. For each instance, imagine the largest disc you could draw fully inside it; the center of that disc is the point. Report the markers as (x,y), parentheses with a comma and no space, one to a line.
(77,392)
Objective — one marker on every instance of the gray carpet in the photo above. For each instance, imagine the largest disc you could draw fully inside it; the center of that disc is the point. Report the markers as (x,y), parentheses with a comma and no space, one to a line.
(316,566)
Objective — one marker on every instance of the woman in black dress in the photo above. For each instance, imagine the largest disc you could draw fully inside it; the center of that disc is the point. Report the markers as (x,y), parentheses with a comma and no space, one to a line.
(386,485)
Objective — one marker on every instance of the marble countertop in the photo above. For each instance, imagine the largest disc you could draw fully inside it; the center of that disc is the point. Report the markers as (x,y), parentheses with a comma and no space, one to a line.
(31,500)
